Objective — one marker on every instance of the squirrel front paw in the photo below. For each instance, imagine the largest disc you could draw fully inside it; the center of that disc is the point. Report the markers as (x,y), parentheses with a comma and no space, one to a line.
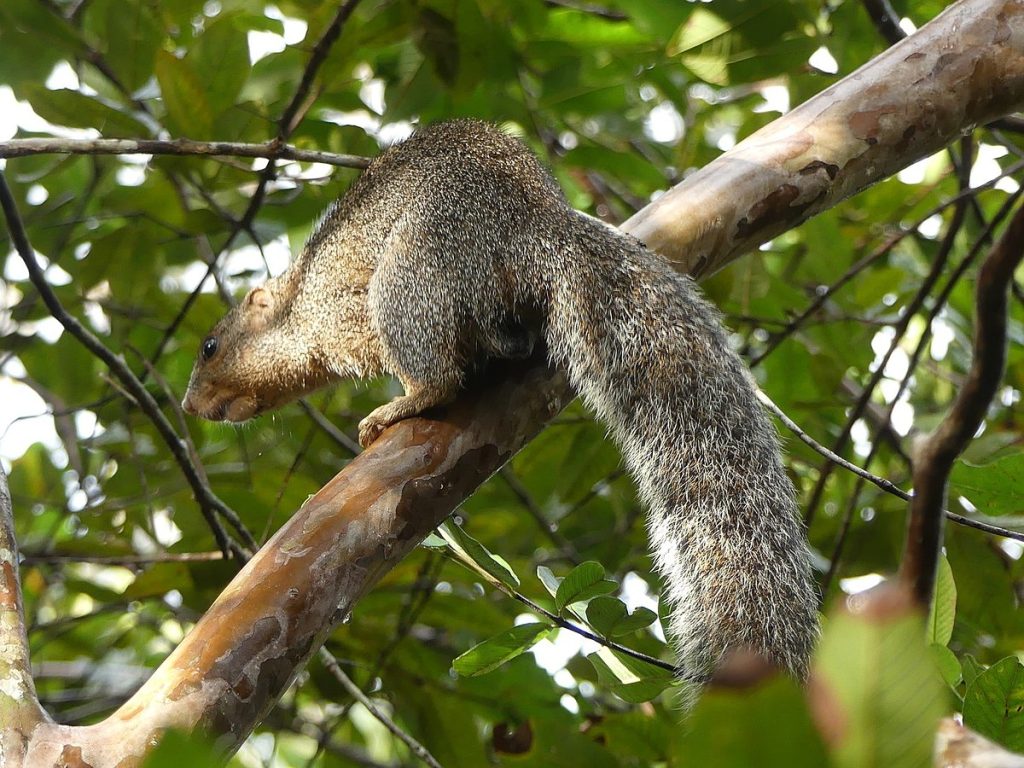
(370,429)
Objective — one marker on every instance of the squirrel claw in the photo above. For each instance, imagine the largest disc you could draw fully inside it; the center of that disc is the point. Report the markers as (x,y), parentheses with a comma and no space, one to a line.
(369,430)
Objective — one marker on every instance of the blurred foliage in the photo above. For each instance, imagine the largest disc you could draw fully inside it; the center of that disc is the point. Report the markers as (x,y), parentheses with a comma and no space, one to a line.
(621,98)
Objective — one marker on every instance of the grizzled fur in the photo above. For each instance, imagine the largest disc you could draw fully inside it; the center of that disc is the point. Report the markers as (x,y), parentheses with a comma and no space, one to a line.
(457,244)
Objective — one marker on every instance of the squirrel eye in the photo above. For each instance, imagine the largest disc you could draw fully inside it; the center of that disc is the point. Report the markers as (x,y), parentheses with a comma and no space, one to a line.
(209,348)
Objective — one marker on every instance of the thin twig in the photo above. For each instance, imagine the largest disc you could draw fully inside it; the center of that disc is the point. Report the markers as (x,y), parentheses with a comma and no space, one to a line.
(549,529)
(44,558)
(881,482)
(908,313)
(356,693)
(885,19)
(271,150)
(935,455)
(886,247)
(300,102)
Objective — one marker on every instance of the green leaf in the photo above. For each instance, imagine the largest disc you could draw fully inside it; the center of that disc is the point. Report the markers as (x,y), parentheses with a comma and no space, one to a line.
(701,28)
(994,703)
(188,111)
(884,689)
(582,583)
(176,749)
(492,653)
(133,36)
(475,555)
(995,489)
(609,617)
(971,669)
(947,664)
(768,725)
(220,59)
(433,541)
(548,579)
(76,110)
(942,612)
(629,678)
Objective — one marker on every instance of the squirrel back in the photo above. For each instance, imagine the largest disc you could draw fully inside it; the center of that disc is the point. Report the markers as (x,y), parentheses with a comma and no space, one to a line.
(457,244)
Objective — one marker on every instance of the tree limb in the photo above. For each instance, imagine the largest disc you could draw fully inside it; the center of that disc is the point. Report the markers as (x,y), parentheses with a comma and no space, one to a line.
(934,456)
(20,712)
(963,68)
(272,150)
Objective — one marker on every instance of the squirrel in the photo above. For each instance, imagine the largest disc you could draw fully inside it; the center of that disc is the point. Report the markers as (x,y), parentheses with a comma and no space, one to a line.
(457,244)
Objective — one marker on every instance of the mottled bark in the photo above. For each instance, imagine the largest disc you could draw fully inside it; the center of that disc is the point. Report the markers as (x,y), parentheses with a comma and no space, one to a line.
(964,68)
(20,712)
(262,629)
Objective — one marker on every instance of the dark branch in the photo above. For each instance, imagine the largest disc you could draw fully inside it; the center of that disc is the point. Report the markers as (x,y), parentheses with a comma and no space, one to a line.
(328,660)
(885,19)
(935,455)
(301,99)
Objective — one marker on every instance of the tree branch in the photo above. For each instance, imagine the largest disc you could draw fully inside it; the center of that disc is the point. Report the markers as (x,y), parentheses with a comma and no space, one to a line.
(963,68)
(885,20)
(20,711)
(934,456)
(272,150)
(354,691)
(296,109)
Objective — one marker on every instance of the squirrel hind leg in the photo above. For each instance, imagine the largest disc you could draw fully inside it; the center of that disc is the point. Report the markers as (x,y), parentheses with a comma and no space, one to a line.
(418,398)
(509,340)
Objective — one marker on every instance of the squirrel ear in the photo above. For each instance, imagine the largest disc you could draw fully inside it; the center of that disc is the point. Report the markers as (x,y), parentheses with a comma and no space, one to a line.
(258,303)
(260,298)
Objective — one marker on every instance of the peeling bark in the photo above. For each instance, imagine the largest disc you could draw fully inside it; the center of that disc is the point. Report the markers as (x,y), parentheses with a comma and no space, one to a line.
(964,68)
(241,656)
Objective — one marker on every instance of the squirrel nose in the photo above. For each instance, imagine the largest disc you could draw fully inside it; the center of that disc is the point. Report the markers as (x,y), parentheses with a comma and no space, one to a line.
(187,405)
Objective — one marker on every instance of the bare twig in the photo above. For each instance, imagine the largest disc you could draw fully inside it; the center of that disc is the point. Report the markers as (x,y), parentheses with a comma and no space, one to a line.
(356,693)
(934,456)
(886,247)
(909,312)
(528,503)
(272,150)
(125,560)
(301,99)
(881,482)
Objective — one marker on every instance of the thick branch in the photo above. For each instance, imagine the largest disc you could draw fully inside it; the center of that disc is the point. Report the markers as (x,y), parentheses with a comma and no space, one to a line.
(279,609)
(19,707)
(964,68)
(934,456)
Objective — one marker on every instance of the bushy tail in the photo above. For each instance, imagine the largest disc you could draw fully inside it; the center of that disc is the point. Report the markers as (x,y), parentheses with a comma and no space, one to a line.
(653,362)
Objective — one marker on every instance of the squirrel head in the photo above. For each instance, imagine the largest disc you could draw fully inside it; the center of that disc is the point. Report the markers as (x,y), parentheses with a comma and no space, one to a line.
(248,363)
